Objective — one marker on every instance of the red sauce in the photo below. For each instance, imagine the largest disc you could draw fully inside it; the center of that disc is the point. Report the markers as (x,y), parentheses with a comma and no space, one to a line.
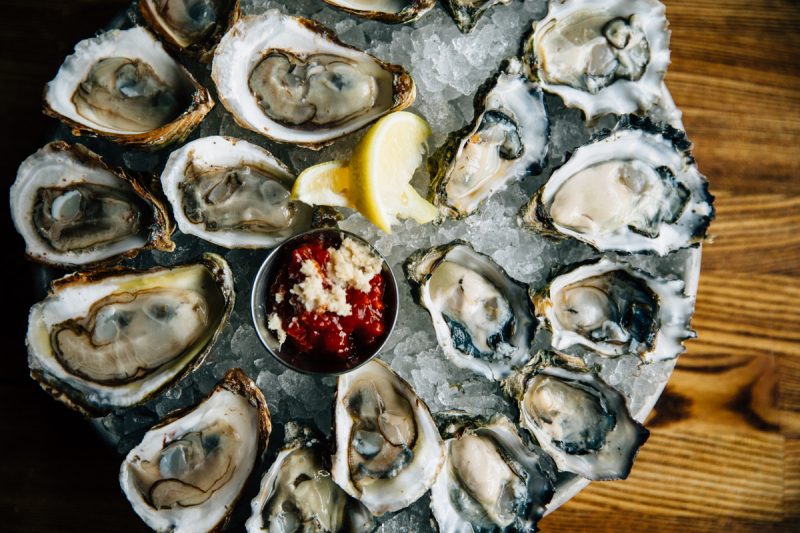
(320,340)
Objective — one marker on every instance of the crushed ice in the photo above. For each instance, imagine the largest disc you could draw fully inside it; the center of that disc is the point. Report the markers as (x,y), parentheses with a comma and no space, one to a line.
(448,67)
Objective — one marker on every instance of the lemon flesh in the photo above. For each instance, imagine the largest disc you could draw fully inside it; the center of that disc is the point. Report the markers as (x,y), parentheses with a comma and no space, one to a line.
(376,180)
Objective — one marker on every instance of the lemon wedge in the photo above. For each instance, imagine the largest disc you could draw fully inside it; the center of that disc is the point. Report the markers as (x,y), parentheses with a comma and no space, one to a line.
(325,184)
(376,180)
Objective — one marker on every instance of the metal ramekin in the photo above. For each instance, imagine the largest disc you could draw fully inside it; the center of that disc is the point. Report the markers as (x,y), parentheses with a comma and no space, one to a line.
(265,276)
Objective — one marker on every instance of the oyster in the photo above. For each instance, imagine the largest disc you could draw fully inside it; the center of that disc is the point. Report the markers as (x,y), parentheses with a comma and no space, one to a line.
(122,85)
(393,11)
(74,210)
(466,13)
(601,56)
(292,80)
(298,494)
(613,309)
(579,420)
(190,468)
(635,189)
(490,481)
(507,140)
(193,26)
(388,449)
(481,317)
(111,339)
(232,193)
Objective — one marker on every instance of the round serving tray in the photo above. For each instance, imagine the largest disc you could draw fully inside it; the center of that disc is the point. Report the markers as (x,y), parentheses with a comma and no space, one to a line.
(448,68)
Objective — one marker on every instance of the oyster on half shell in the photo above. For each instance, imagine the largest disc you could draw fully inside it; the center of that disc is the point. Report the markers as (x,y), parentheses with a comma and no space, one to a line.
(190,469)
(491,480)
(466,13)
(292,80)
(634,189)
(232,193)
(506,141)
(601,56)
(74,210)
(109,339)
(298,494)
(388,449)
(393,11)
(192,26)
(122,85)
(482,317)
(579,420)
(614,309)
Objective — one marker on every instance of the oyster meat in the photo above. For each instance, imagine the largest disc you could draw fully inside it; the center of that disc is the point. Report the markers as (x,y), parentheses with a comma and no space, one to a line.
(292,80)
(74,210)
(388,449)
(392,11)
(111,339)
(482,317)
(506,141)
(614,309)
(580,421)
(190,469)
(193,26)
(122,85)
(466,13)
(232,193)
(491,480)
(601,56)
(636,189)
(298,494)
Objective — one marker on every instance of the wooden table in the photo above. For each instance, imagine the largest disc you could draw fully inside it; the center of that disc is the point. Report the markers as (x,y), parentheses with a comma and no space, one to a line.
(724,453)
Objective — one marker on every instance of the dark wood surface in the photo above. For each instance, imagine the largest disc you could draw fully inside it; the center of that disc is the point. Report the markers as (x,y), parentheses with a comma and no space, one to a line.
(725,447)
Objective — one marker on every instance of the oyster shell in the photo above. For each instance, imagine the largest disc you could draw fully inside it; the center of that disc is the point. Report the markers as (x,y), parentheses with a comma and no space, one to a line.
(103,340)
(232,193)
(614,309)
(601,56)
(635,189)
(74,210)
(507,140)
(122,85)
(388,449)
(466,13)
(490,480)
(481,316)
(190,469)
(580,421)
(392,11)
(192,26)
(297,492)
(292,80)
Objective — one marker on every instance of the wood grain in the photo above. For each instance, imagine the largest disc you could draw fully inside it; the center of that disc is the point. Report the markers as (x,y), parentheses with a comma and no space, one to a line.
(724,454)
